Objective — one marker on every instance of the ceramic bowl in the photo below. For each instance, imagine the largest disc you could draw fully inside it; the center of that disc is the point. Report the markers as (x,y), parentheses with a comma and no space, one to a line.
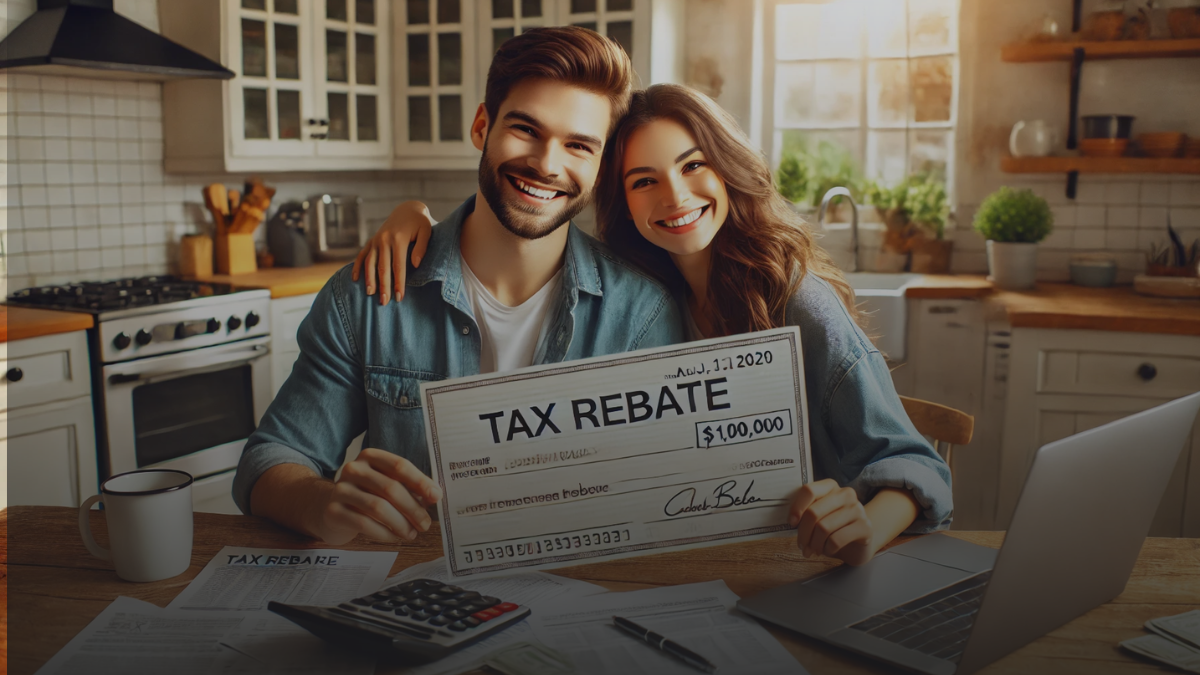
(1161,144)
(1103,147)
(1097,271)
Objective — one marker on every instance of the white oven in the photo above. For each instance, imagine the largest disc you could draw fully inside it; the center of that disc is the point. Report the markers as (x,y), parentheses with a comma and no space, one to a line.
(191,411)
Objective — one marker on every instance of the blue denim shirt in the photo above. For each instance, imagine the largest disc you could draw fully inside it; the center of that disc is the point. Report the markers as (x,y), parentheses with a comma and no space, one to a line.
(361,364)
(860,435)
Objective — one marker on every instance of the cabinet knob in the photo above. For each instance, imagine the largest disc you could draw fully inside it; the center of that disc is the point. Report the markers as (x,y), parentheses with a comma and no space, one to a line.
(1147,371)
(14,374)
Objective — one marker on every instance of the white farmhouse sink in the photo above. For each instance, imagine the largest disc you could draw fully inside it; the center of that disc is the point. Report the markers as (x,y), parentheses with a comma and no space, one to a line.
(882,304)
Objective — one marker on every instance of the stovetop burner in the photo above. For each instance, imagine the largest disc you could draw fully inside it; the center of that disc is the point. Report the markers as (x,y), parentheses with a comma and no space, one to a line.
(104,296)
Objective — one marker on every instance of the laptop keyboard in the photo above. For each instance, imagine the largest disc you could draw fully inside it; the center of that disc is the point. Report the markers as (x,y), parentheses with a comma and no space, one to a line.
(936,624)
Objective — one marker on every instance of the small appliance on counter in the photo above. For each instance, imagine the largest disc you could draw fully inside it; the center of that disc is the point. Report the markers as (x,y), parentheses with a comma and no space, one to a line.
(287,235)
(336,227)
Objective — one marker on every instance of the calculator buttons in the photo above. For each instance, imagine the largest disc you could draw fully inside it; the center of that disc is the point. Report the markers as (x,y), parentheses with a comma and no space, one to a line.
(457,626)
(363,602)
(421,615)
(506,607)
(440,621)
(382,606)
(402,611)
(471,622)
(456,613)
(418,603)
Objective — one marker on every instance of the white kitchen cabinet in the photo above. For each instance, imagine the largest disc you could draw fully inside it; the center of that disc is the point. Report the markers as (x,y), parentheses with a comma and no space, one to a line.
(444,49)
(286,316)
(312,89)
(1062,382)
(947,364)
(48,443)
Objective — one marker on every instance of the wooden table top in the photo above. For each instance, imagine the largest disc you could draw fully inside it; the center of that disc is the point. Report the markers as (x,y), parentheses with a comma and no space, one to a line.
(19,323)
(55,588)
(283,282)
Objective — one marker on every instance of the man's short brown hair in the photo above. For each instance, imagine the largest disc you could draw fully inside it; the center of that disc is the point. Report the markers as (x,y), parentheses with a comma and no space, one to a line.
(569,54)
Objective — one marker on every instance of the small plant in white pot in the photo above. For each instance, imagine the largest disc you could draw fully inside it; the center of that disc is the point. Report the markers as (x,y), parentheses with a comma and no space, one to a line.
(1013,222)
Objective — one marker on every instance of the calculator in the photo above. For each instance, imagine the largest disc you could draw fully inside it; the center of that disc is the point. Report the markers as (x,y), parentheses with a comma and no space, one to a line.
(413,622)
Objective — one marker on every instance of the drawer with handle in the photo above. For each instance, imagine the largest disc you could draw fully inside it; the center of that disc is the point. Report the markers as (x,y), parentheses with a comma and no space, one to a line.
(40,370)
(1116,374)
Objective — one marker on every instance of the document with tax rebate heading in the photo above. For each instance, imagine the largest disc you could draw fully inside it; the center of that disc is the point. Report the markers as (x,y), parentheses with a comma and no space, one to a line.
(643,452)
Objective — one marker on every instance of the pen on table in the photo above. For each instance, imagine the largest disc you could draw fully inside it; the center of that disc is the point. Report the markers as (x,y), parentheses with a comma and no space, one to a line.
(663,644)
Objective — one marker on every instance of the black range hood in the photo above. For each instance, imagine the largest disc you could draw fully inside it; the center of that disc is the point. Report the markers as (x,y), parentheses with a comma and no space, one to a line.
(86,38)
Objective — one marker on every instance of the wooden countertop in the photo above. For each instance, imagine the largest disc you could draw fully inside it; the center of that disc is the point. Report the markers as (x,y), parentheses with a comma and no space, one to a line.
(949,286)
(1115,309)
(55,588)
(1050,305)
(283,282)
(19,323)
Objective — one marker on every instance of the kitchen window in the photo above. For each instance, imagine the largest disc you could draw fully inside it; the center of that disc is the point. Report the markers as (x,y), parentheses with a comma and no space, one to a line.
(877,78)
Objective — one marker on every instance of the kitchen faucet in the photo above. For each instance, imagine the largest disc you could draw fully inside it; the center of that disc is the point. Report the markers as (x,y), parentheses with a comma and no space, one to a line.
(843,192)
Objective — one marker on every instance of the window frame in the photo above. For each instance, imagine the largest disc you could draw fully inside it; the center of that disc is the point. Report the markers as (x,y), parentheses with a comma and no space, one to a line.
(770,133)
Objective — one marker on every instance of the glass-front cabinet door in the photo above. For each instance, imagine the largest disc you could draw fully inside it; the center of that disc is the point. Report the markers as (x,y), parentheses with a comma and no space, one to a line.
(312,79)
(271,99)
(436,87)
(351,77)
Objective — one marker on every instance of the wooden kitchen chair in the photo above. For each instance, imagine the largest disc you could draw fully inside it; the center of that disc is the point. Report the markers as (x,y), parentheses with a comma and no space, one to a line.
(945,425)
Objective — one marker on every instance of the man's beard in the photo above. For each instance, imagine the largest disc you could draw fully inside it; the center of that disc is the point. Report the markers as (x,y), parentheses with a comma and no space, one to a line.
(522,219)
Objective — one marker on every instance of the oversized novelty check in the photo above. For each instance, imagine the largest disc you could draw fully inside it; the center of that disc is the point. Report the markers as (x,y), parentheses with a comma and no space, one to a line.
(648,451)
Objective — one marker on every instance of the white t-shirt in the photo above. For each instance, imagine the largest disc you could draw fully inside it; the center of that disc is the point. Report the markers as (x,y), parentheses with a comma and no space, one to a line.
(508,335)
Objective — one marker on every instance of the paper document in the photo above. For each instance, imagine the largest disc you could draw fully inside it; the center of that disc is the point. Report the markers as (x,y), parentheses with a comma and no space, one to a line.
(131,636)
(701,617)
(246,579)
(1165,650)
(1184,627)
(532,589)
(655,450)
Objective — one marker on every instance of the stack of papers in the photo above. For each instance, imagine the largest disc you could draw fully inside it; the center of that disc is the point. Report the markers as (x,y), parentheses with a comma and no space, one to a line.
(1175,641)
(220,624)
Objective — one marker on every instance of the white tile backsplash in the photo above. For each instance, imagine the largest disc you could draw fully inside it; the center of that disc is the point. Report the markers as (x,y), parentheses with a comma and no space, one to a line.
(86,196)
(1120,217)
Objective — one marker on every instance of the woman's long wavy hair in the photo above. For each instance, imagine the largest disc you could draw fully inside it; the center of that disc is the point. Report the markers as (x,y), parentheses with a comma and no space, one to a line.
(763,250)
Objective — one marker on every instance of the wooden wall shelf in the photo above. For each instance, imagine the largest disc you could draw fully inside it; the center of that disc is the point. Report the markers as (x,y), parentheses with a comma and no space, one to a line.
(1099,165)
(1117,49)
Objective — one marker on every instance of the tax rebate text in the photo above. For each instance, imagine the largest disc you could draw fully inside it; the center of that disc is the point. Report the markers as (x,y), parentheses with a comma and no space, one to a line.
(661,449)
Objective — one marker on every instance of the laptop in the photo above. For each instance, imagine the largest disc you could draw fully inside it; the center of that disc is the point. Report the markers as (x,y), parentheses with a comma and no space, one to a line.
(943,606)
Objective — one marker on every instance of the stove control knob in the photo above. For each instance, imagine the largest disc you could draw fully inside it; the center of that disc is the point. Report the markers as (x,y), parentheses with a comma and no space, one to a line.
(143,338)
(252,320)
(234,323)
(121,341)
(213,325)
(14,374)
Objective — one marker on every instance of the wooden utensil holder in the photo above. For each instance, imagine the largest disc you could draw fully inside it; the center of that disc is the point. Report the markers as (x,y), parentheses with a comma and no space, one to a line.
(196,256)
(235,254)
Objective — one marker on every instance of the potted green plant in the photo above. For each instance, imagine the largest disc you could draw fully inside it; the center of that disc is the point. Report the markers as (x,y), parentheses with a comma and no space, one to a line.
(915,211)
(1013,222)
(806,173)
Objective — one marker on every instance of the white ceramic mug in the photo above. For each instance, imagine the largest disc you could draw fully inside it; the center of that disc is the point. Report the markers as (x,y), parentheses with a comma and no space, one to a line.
(149,515)
(1038,139)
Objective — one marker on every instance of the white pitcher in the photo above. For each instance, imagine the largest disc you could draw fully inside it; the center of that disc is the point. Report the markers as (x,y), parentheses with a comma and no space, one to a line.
(1032,139)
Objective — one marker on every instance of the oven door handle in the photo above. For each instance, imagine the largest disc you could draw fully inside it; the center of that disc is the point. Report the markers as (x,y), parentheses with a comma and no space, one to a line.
(256,352)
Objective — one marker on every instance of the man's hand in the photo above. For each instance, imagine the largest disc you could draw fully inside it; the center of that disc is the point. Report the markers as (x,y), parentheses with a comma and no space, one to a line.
(382,259)
(380,495)
(829,520)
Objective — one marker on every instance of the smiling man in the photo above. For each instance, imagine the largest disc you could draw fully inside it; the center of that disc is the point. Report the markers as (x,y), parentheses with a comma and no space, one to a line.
(507,282)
